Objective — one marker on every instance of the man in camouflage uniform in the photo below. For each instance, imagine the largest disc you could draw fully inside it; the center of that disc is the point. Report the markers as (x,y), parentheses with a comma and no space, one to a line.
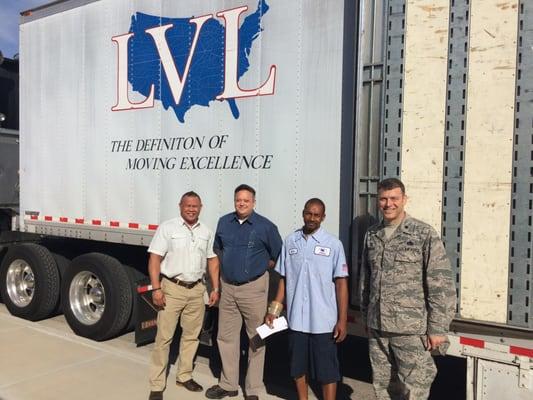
(407,298)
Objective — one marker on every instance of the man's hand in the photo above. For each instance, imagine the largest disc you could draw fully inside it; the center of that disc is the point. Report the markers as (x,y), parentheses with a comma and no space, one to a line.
(158,298)
(434,341)
(269,320)
(214,296)
(339,333)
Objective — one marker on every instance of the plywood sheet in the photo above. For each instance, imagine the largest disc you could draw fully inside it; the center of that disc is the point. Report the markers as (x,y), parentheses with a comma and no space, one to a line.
(426,54)
(488,160)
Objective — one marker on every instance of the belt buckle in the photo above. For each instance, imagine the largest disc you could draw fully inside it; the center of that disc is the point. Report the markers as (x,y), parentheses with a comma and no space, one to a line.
(188,285)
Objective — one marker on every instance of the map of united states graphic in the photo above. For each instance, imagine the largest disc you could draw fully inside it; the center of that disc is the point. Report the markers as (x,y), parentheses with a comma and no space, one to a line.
(206,75)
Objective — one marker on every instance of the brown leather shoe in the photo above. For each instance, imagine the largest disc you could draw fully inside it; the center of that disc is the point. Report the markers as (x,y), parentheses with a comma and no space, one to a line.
(156,395)
(216,392)
(190,385)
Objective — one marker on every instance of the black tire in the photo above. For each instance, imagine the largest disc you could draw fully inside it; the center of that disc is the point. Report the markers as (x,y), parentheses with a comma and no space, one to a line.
(96,319)
(42,299)
(134,277)
(62,263)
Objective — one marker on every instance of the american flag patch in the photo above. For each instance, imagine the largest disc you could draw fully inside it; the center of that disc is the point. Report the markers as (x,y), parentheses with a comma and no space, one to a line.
(345,268)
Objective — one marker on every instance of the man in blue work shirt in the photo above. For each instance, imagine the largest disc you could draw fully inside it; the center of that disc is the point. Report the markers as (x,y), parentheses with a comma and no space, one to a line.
(313,268)
(248,244)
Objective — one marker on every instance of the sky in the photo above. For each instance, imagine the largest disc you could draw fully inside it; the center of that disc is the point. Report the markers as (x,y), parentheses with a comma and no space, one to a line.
(9,23)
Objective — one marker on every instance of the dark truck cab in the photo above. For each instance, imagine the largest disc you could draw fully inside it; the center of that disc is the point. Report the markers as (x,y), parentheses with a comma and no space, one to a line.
(9,141)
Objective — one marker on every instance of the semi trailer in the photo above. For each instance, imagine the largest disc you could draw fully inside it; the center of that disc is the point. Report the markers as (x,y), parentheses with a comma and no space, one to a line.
(125,105)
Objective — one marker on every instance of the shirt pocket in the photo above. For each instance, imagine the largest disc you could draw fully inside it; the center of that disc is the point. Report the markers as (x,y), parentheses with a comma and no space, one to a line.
(178,242)
(372,254)
(201,245)
(408,268)
(413,255)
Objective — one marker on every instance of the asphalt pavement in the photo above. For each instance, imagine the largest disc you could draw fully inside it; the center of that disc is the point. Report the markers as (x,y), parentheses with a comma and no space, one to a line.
(46,360)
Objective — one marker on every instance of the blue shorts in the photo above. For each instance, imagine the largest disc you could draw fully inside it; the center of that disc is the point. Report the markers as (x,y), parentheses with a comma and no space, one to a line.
(314,355)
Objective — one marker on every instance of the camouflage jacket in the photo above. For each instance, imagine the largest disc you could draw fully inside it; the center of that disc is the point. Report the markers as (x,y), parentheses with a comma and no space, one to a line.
(406,283)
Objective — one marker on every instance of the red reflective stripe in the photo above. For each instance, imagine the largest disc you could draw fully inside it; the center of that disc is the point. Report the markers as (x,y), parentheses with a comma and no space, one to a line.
(521,351)
(133,225)
(63,219)
(143,289)
(80,220)
(114,223)
(152,227)
(47,218)
(96,222)
(33,217)
(472,342)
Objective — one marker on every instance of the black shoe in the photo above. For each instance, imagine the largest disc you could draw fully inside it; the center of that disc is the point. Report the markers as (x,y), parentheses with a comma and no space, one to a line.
(216,392)
(190,385)
(156,395)
(252,397)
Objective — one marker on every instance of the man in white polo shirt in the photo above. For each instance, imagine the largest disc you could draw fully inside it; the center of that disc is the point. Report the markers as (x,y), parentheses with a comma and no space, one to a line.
(179,252)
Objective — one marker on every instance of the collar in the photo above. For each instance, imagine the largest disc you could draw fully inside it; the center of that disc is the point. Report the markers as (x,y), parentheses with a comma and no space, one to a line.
(251,219)
(318,236)
(404,227)
(183,223)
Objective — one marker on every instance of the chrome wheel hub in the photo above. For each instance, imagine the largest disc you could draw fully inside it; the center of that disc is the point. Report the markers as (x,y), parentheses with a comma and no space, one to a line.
(87,298)
(20,283)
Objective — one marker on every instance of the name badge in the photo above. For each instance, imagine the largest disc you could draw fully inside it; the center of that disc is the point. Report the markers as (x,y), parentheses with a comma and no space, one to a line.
(293,251)
(322,251)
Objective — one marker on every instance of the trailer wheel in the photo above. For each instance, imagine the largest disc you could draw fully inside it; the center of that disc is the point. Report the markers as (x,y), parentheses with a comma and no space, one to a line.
(29,281)
(96,296)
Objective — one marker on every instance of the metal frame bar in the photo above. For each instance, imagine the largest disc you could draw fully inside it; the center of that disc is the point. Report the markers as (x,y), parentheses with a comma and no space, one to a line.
(98,233)
(52,8)
(454,146)
(393,90)
(520,305)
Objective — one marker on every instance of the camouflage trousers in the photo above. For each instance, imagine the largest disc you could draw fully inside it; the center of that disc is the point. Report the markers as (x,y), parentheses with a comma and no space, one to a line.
(402,369)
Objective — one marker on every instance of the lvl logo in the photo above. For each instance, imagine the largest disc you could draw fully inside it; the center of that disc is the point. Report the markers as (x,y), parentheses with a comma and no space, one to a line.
(185,62)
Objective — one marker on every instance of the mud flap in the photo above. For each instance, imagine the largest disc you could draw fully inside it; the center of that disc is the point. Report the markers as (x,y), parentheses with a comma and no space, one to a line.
(146,324)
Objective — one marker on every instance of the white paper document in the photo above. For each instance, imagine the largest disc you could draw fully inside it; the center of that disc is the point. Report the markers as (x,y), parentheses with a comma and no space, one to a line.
(280,324)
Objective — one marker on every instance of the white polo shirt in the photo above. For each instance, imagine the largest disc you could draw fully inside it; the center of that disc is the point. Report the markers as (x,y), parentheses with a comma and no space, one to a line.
(185,249)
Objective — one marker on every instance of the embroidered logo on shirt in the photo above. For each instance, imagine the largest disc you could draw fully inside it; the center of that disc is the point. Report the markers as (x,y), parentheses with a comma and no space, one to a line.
(293,251)
(322,251)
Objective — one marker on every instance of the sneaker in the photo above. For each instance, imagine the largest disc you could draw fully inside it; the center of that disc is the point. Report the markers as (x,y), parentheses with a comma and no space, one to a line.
(191,385)
(156,395)
(216,392)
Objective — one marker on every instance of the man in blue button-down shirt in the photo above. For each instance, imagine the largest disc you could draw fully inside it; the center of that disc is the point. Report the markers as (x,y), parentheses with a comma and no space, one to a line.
(314,271)
(248,244)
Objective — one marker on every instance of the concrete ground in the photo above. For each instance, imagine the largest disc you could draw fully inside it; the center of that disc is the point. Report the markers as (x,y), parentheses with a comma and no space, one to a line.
(45,360)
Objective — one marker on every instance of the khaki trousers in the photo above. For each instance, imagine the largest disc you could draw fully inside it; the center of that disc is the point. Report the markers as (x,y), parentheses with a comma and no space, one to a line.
(402,369)
(189,304)
(247,302)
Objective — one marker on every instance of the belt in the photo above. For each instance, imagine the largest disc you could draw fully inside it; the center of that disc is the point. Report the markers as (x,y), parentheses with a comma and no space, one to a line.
(185,284)
(234,283)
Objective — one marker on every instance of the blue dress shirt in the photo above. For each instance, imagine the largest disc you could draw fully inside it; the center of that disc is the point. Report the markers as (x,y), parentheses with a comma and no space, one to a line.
(246,248)
(310,267)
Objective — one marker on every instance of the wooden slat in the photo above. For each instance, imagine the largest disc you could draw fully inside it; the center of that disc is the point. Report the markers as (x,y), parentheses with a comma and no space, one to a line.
(426,54)
(488,159)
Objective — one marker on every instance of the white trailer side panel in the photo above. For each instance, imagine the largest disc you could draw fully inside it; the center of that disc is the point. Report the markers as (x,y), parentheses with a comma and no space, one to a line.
(70,168)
